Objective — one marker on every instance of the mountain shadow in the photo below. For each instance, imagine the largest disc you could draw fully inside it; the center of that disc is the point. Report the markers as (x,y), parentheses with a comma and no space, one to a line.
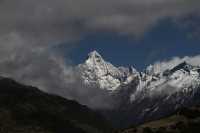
(26,109)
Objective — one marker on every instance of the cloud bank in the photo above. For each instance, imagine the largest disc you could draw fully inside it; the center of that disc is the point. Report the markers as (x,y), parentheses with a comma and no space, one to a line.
(161,66)
(67,18)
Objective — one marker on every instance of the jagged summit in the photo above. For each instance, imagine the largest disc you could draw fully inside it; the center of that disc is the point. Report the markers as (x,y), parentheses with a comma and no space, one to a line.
(96,71)
(184,65)
(94,54)
(95,59)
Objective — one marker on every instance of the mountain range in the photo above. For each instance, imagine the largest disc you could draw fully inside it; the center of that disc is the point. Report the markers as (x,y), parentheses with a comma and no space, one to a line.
(142,96)
(153,101)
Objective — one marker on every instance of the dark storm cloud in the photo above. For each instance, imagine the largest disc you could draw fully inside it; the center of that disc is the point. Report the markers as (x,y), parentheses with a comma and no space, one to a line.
(63,18)
(30,28)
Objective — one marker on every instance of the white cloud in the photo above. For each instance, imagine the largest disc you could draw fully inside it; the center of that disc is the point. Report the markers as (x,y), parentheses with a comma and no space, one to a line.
(161,66)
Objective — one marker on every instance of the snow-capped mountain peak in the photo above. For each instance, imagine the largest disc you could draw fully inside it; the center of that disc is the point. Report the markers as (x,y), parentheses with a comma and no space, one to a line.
(94,58)
(94,54)
(96,71)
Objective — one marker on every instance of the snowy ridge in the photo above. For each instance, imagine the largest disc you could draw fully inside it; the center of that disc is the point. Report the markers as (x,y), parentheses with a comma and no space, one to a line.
(180,78)
(96,71)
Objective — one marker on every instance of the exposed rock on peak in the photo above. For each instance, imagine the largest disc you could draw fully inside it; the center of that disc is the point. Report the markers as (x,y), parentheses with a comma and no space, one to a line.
(103,74)
(94,54)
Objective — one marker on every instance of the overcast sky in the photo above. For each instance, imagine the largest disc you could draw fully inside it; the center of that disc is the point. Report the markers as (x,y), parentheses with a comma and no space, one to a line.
(40,40)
